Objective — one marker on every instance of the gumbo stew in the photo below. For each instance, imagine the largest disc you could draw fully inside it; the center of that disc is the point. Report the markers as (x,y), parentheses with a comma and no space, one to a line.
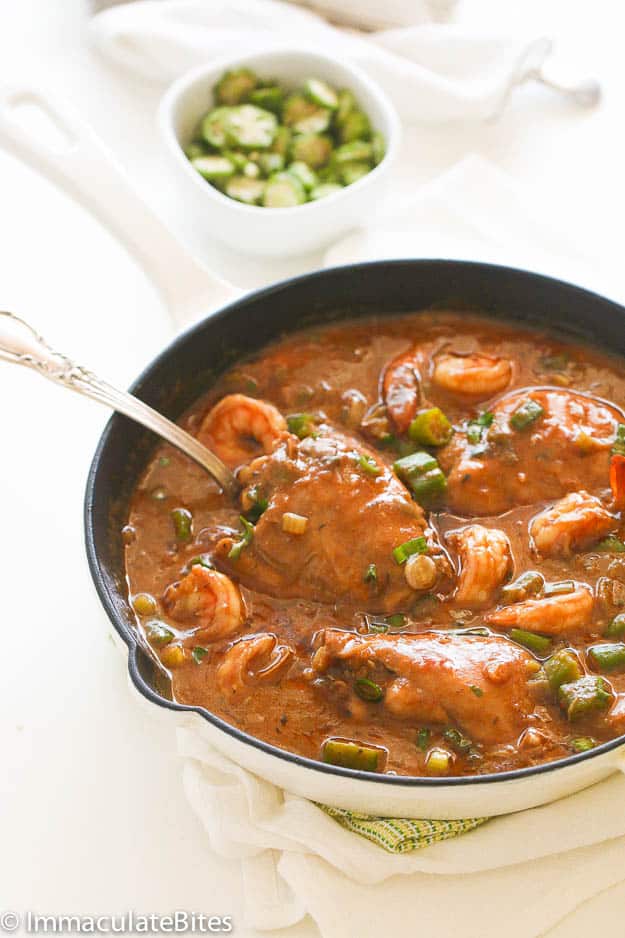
(424,573)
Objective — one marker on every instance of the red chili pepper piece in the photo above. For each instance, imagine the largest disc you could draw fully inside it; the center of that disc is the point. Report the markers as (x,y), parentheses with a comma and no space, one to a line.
(617,479)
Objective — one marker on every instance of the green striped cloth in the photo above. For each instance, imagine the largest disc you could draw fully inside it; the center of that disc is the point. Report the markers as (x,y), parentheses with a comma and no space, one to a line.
(401,835)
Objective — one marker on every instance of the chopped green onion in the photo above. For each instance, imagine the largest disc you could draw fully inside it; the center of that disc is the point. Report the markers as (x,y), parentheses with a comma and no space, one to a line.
(164,461)
(259,504)
(423,738)
(618,447)
(431,428)
(371,575)
(248,535)
(560,588)
(395,621)
(530,583)
(202,560)
(476,690)
(562,668)
(437,761)
(584,696)
(368,690)
(423,475)
(612,545)
(608,657)
(369,465)
(526,414)
(351,755)
(302,425)
(476,427)
(158,634)
(583,744)
(616,628)
(183,523)
(379,628)
(457,741)
(418,545)
(198,653)
(539,644)
(414,464)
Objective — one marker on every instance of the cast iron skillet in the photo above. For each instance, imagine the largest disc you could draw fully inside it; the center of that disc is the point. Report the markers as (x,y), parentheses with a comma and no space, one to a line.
(184,370)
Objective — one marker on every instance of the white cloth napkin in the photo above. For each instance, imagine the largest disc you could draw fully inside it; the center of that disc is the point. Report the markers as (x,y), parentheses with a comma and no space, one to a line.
(371,14)
(432,72)
(521,873)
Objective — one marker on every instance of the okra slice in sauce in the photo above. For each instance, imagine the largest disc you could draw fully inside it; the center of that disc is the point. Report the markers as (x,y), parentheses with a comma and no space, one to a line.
(585,696)
(351,755)
(607,657)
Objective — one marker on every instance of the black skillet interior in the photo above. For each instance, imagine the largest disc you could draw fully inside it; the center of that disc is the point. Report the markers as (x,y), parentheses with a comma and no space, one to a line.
(188,366)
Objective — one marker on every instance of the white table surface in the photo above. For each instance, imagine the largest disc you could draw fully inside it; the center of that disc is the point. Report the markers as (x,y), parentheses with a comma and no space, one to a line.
(92,815)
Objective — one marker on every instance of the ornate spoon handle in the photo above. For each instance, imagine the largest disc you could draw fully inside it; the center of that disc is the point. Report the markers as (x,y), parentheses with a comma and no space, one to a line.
(21,345)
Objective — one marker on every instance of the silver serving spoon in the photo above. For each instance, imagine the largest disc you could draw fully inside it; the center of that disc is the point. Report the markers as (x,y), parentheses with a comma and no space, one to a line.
(21,345)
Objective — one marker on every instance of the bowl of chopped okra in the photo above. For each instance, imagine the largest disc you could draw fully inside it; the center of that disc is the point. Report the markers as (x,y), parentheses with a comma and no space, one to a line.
(281,152)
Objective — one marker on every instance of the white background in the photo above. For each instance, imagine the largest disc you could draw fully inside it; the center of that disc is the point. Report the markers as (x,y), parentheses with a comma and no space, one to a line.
(92,815)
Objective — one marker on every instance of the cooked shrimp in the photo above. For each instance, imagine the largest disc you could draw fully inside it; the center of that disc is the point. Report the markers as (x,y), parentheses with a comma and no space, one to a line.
(258,659)
(552,615)
(475,375)
(572,523)
(402,388)
(239,427)
(207,599)
(485,561)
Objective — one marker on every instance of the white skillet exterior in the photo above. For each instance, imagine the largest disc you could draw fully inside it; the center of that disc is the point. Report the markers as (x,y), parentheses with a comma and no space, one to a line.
(427,798)
(190,290)
(433,799)
(275,232)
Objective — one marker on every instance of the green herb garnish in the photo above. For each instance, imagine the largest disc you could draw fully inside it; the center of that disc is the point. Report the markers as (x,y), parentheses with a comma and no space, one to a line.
(248,535)
(476,427)
(418,545)
(369,465)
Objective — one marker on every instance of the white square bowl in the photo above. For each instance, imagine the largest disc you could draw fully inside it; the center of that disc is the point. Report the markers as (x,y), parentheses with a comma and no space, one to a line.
(276,232)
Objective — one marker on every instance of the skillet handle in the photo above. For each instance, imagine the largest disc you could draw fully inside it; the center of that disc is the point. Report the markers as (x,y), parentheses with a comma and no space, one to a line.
(75,160)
